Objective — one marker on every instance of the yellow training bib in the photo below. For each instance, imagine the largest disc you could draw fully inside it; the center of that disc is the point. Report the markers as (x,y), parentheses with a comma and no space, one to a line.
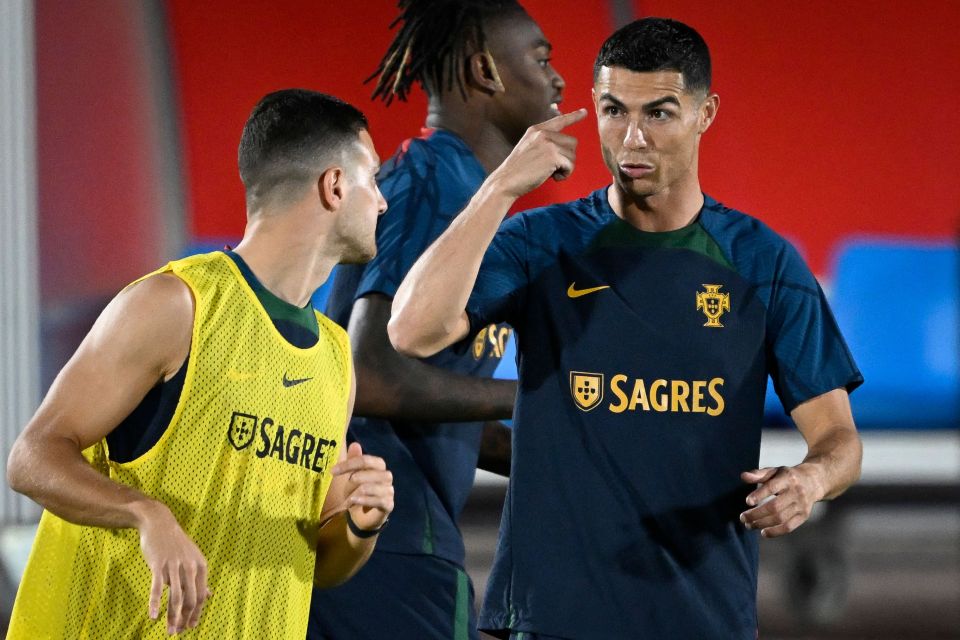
(243,465)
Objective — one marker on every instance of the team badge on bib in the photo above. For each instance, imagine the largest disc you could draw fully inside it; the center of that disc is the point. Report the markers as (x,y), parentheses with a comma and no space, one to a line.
(586,389)
(242,427)
(713,303)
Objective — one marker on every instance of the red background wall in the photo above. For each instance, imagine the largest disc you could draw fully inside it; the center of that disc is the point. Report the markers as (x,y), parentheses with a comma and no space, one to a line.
(99,198)
(836,118)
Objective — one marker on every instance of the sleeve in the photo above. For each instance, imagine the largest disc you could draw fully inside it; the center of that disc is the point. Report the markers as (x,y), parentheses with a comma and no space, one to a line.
(807,353)
(413,220)
(502,280)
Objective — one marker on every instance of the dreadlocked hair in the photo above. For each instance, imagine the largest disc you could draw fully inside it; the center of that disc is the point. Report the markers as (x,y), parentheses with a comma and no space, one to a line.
(431,46)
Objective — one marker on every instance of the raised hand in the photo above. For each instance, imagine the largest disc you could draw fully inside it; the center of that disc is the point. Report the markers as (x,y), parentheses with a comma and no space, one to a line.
(175,561)
(783,500)
(369,489)
(542,152)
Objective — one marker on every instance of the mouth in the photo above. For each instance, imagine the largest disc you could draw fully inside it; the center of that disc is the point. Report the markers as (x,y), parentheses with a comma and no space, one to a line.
(555,105)
(635,169)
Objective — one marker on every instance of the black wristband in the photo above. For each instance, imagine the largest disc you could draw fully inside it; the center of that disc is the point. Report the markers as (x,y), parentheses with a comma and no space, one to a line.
(363,533)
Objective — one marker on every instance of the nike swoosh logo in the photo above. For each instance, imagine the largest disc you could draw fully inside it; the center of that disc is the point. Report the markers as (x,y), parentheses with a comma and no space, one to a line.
(287,382)
(573,292)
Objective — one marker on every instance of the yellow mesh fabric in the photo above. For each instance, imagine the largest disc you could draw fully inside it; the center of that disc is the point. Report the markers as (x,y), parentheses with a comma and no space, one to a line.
(244,467)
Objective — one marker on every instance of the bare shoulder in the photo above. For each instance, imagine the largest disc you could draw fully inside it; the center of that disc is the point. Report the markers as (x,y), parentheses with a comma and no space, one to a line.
(143,336)
(159,292)
(153,318)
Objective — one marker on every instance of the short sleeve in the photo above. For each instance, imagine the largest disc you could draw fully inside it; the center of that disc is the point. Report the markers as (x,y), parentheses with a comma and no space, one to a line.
(502,279)
(403,232)
(807,353)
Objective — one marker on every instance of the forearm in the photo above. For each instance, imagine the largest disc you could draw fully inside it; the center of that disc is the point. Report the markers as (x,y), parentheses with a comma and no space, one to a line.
(413,390)
(496,448)
(54,473)
(429,304)
(340,554)
(835,459)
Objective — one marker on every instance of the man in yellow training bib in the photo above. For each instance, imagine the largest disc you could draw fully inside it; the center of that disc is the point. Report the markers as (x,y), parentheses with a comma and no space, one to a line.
(195,439)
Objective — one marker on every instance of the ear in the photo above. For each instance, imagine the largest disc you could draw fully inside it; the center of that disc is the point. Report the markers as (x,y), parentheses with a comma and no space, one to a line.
(482,73)
(708,112)
(332,187)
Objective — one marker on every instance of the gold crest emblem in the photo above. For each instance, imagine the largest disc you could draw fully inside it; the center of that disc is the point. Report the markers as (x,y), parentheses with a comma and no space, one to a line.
(479,343)
(713,303)
(586,389)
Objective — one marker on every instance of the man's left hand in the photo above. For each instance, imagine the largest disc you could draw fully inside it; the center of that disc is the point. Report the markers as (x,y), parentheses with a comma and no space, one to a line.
(370,488)
(783,500)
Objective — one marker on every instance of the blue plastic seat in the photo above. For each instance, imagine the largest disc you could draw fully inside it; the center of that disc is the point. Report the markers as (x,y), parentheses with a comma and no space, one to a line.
(898,305)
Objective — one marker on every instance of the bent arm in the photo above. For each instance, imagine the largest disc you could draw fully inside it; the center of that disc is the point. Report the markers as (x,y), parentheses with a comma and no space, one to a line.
(786,495)
(141,338)
(397,387)
(362,486)
(834,450)
(429,309)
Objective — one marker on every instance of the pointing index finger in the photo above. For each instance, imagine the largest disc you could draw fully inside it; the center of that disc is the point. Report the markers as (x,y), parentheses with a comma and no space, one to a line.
(563,120)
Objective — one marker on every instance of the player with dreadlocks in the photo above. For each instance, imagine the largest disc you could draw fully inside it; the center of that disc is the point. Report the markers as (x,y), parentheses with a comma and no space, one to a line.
(485,67)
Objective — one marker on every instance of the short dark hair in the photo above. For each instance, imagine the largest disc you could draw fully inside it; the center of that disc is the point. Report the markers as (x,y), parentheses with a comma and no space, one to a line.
(436,38)
(289,134)
(658,44)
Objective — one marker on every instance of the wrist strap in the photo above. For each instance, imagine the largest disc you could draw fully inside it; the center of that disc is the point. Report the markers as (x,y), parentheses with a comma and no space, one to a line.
(363,533)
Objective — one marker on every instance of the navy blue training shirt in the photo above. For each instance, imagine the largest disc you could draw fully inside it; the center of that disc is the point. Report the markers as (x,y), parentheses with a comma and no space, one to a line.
(643,366)
(426,184)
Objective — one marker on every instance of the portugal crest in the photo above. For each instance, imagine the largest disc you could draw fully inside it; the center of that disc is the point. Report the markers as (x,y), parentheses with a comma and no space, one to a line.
(586,389)
(242,427)
(713,304)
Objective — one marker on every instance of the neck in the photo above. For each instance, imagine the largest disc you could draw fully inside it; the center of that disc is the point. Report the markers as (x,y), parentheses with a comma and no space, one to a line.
(470,122)
(284,256)
(668,210)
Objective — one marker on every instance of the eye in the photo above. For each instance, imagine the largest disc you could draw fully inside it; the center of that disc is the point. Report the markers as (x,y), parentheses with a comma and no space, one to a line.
(544,62)
(612,110)
(659,114)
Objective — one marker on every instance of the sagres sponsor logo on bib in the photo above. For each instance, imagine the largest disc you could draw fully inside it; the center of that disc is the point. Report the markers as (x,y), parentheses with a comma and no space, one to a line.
(283,442)
(586,389)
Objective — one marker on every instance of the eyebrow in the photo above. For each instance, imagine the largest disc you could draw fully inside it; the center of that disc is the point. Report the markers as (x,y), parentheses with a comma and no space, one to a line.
(646,107)
(661,101)
(540,42)
(609,97)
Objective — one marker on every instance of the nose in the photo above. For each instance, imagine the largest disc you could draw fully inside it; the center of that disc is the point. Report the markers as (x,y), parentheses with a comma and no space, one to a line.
(381,203)
(558,82)
(634,138)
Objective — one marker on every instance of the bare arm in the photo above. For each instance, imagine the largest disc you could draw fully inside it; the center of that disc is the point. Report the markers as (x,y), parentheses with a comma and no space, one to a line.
(397,387)
(141,338)
(362,486)
(832,464)
(429,310)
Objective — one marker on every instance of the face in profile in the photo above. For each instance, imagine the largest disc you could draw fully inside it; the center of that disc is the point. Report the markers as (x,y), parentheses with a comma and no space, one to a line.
(532,87)
(363,203)
(650,127)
